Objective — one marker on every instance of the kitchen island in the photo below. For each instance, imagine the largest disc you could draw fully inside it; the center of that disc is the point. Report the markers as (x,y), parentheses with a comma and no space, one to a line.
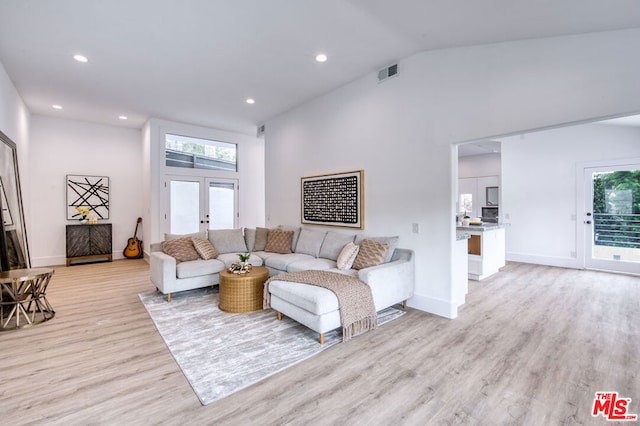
(486,249)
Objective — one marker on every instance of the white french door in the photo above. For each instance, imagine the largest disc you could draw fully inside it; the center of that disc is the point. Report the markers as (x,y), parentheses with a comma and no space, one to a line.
(611,218)
(197,203)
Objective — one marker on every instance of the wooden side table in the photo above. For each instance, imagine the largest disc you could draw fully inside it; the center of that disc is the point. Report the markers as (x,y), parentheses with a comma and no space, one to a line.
(23,296)
(240,293)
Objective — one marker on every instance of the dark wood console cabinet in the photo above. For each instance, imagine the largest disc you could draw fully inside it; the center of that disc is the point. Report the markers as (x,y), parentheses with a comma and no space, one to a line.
(89,242)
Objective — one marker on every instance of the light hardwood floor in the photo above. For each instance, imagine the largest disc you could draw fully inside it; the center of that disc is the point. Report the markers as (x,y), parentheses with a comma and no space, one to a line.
(531,346)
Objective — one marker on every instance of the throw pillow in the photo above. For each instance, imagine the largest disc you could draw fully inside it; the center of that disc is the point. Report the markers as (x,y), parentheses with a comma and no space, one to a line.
(347,256)
(309,242)
(204,248)
(333,244)
(371,253)
(261,239)
(392,241)
(181,249)
(250,238)
(279,241)
(228,240)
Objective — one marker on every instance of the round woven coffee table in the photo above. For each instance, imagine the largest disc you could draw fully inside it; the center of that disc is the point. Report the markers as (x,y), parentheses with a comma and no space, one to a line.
(240,293)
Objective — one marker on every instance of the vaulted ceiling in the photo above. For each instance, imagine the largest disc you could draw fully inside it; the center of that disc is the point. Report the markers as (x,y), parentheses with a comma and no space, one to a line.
(197,61)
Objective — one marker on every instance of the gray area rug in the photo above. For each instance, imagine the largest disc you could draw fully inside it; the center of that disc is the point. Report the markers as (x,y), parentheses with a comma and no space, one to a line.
(221,353)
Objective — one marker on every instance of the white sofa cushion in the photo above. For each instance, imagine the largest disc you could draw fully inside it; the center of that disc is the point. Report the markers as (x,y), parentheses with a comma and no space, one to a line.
(230,258)
(228,240)
(316,300)
(309,242)
(318,264)
(196,268)
(333,243)
(281,261)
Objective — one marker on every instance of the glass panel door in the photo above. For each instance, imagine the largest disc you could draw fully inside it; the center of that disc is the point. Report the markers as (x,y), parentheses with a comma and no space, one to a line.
(222,202)
(196,204)
(184,205)
(612,218)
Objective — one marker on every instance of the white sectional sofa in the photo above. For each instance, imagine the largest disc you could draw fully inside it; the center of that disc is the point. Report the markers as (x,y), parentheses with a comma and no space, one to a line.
(391,282)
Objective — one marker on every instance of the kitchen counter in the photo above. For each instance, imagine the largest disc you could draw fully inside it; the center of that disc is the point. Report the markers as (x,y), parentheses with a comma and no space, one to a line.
(486,226)
(485,248)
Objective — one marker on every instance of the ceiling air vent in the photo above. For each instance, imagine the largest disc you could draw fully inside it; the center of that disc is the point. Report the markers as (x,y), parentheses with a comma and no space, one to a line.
(387,72)
(260,131)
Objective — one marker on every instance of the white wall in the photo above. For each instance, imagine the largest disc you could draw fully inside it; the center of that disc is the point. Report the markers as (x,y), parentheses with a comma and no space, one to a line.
(479,165)
(60,147)
(540,188)
(476,173)
(251,172)
(14,122)
(401,132)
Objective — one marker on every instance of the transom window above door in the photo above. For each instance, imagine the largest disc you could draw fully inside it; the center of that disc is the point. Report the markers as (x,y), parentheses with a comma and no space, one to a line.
(197,153)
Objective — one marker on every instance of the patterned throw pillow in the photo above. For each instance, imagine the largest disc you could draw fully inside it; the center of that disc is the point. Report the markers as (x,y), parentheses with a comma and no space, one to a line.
(371,253)
(204,248)
(347,256)
(279,241)
(181,249)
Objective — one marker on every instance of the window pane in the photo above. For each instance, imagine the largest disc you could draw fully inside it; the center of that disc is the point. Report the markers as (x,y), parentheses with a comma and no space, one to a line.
(197,153)
(466,203)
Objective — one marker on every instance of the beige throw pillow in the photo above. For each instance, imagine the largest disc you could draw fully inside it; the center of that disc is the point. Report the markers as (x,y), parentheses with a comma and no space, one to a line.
(261,239)
(181,249)
(279,241)
(204,248)
(371,253)
(347,256)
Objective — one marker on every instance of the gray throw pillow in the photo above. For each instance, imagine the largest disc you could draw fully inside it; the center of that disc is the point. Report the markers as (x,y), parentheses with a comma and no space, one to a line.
(309,242)
(333,244)
(228,240)
(261,239)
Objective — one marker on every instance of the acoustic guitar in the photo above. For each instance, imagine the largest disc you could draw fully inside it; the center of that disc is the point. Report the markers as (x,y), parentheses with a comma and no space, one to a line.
(134,245)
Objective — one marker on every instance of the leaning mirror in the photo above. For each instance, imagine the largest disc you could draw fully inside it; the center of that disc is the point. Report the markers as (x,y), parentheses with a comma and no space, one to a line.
(492,196)
(14,251)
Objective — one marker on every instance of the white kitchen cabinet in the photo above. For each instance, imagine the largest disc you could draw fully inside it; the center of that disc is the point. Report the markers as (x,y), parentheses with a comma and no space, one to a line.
(486,249)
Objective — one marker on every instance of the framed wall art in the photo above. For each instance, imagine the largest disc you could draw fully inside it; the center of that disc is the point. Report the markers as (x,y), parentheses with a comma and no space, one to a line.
(333,199)
(87,191)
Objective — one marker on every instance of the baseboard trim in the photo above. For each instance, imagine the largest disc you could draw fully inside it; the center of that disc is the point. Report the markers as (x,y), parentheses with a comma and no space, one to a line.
(562,262)
(433,305)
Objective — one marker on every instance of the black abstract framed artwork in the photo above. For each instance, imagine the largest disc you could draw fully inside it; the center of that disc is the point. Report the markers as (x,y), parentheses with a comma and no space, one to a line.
(333,199)
(87,192)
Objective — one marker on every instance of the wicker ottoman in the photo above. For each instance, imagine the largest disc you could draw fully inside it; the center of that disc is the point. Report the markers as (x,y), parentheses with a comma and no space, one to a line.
(240,293)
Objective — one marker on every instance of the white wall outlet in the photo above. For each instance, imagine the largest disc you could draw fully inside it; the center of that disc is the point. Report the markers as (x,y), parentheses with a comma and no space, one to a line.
(416,228)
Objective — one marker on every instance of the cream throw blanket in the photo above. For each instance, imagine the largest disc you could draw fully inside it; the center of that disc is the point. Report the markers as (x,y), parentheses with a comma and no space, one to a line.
(355,300)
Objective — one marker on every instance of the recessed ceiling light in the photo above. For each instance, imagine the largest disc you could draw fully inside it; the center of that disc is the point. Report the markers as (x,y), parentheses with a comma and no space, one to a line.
(80,58)
(250,101)
(56,106)
(321,57)
(123,117)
